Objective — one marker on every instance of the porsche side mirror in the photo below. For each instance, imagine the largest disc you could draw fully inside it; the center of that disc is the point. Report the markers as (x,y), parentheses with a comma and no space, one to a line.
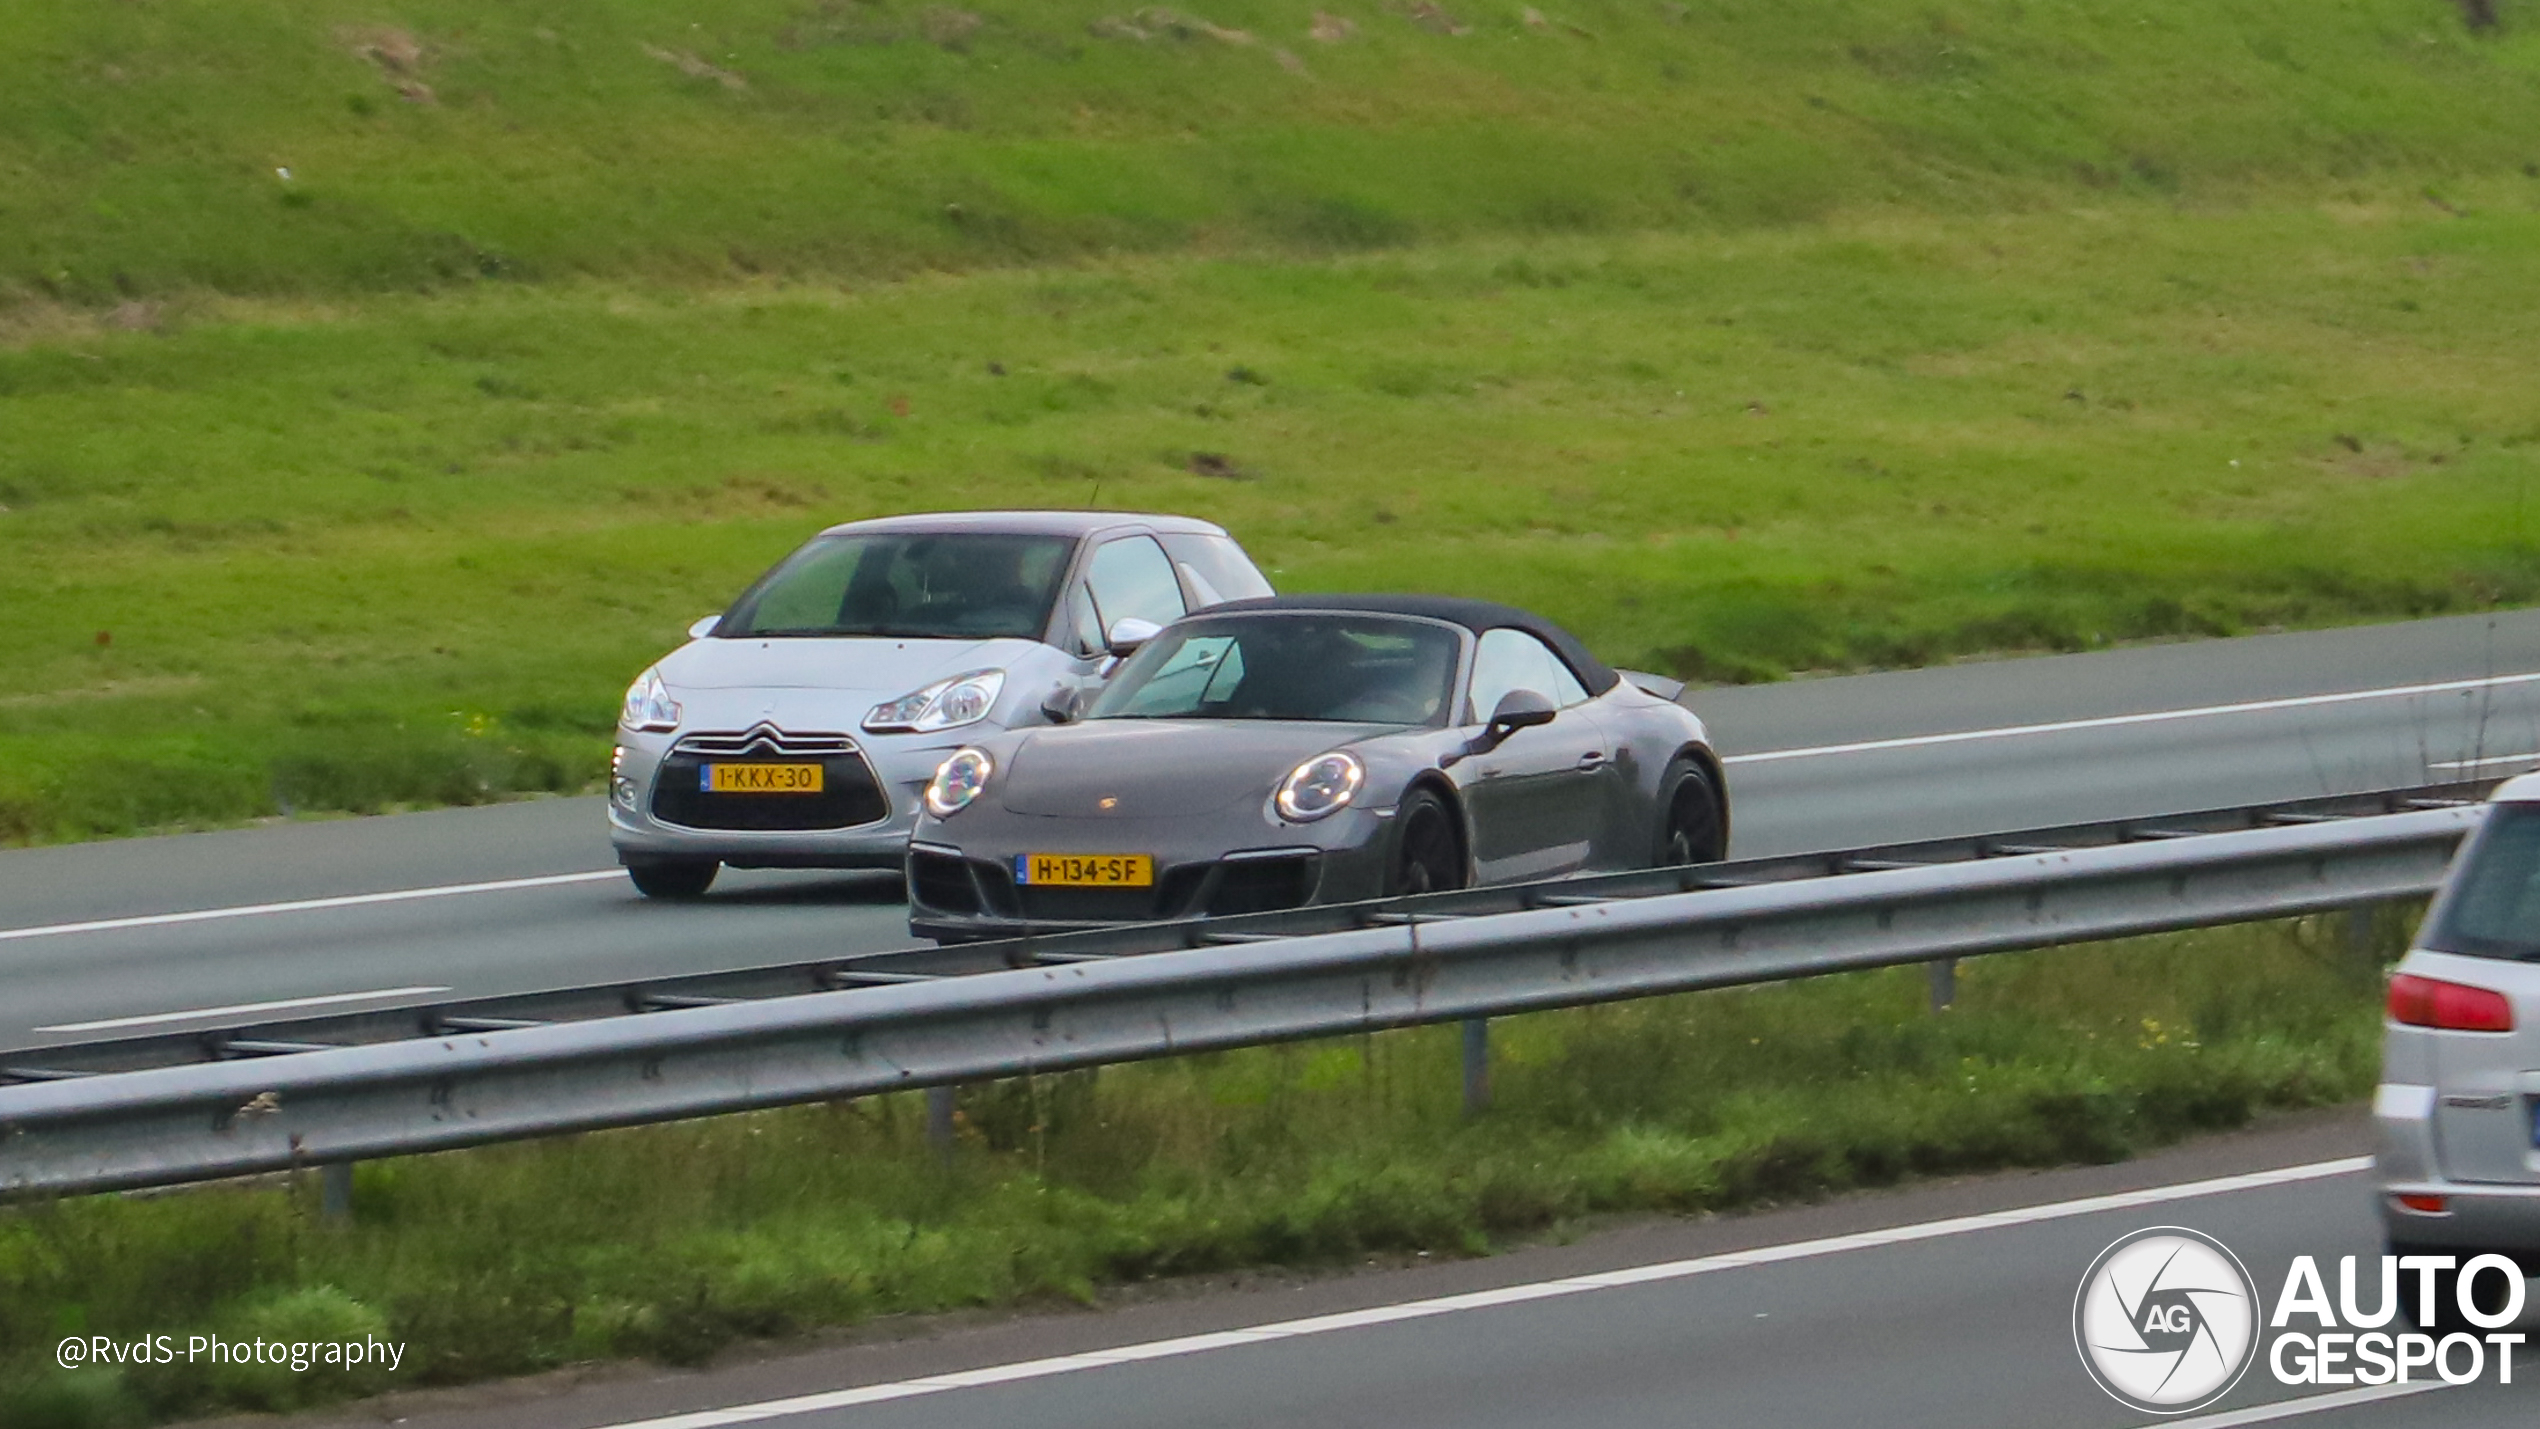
(704,627)
(1518,709)
(1128,633)
(1059,705)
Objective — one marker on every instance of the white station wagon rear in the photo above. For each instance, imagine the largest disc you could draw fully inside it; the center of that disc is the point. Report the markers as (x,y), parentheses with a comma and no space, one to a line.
(2459,1106)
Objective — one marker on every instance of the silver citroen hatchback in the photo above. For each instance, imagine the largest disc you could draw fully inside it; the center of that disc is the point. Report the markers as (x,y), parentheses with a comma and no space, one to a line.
(2458,1109)
(796,729)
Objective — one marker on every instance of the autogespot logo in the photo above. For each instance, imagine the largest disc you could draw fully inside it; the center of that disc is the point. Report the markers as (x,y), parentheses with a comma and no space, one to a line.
(2166,1320)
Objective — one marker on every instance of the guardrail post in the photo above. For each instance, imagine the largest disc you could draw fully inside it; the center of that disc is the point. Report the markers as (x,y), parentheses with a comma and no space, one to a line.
(335,1191)
(2359,931)
(1476,1065)
(1944,983)
(939,1119)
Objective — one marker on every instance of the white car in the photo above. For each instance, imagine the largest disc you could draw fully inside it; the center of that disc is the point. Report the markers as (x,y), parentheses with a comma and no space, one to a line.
(2458,1110)
(799,728)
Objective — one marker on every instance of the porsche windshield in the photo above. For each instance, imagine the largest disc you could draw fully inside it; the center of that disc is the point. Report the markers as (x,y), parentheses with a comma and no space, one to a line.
(1361,669)
(2493,907)
(954,585)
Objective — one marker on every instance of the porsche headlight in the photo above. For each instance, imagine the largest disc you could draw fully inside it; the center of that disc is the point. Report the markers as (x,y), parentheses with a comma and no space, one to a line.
(649,705)
(957,781)
(1320,787)
(945,704)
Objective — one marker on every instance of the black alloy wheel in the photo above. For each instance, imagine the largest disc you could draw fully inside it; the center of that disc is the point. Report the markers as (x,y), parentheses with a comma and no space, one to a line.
(1428,856)
(1690,829)
(682,879)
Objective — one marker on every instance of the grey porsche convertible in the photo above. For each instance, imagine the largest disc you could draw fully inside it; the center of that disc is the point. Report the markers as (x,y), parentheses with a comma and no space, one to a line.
(1289,750)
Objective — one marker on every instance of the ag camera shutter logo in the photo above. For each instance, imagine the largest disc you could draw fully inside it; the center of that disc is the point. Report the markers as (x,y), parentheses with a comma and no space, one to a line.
(2166,1320)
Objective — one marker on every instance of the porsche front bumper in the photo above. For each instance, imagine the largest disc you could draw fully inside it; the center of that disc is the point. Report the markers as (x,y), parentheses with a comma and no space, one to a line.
(966,888)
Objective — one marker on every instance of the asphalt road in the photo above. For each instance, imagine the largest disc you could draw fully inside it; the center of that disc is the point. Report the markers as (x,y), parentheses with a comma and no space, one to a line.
(1919,1322)
(1814,764)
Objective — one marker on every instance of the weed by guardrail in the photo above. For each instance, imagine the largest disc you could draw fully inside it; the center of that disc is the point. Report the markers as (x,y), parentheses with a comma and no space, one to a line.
(671,1242)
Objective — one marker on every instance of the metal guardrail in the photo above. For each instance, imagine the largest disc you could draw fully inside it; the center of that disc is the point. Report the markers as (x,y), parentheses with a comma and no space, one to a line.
(271,1036)
(1046,1005)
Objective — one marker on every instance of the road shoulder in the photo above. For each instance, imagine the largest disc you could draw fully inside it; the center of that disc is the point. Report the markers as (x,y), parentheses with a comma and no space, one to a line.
(902,1348)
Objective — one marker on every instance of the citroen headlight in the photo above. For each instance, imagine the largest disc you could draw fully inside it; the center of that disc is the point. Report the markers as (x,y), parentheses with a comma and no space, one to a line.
(945,704)
(621,788)
(1320,787)
(649,705)
(957,781)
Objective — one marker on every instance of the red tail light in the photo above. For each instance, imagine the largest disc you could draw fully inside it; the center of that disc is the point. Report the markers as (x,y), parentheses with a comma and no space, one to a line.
(2424,1002)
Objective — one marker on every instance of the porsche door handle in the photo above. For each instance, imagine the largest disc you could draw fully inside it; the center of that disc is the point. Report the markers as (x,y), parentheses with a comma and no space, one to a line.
(1593,759)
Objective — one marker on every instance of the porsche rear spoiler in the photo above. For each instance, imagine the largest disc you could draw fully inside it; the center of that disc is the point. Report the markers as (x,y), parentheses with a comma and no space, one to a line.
(1658,685)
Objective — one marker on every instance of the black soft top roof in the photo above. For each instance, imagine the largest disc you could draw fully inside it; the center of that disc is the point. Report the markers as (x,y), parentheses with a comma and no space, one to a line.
(1474,615)
(1035,523)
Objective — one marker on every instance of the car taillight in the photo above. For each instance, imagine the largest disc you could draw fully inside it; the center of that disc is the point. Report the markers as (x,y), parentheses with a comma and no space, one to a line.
(2425,1002)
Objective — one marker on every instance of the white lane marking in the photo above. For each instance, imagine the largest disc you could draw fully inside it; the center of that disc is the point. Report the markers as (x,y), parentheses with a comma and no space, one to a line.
(286,1005)
(2308,1404)
(2483,763)
(1487,1299)
(2014,731)
(305,905)
(1917,741)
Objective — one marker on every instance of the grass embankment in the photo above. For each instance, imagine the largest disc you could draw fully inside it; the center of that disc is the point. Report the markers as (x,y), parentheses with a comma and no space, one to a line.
(672,1242)
(1742,337)
(285,555)
(144,147)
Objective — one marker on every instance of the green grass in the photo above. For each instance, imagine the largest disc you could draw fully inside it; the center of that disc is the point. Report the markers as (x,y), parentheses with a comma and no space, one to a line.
(1743,337)
(142,143)
(300,555)
(673,1242)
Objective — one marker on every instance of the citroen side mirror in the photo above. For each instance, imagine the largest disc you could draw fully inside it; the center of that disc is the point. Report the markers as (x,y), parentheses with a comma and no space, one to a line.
(704,627)
(1128,633)
(1059,705)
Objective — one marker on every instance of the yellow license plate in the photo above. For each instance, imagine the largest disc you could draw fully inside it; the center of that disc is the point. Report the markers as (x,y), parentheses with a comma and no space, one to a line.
(760,778)
(1085,870)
